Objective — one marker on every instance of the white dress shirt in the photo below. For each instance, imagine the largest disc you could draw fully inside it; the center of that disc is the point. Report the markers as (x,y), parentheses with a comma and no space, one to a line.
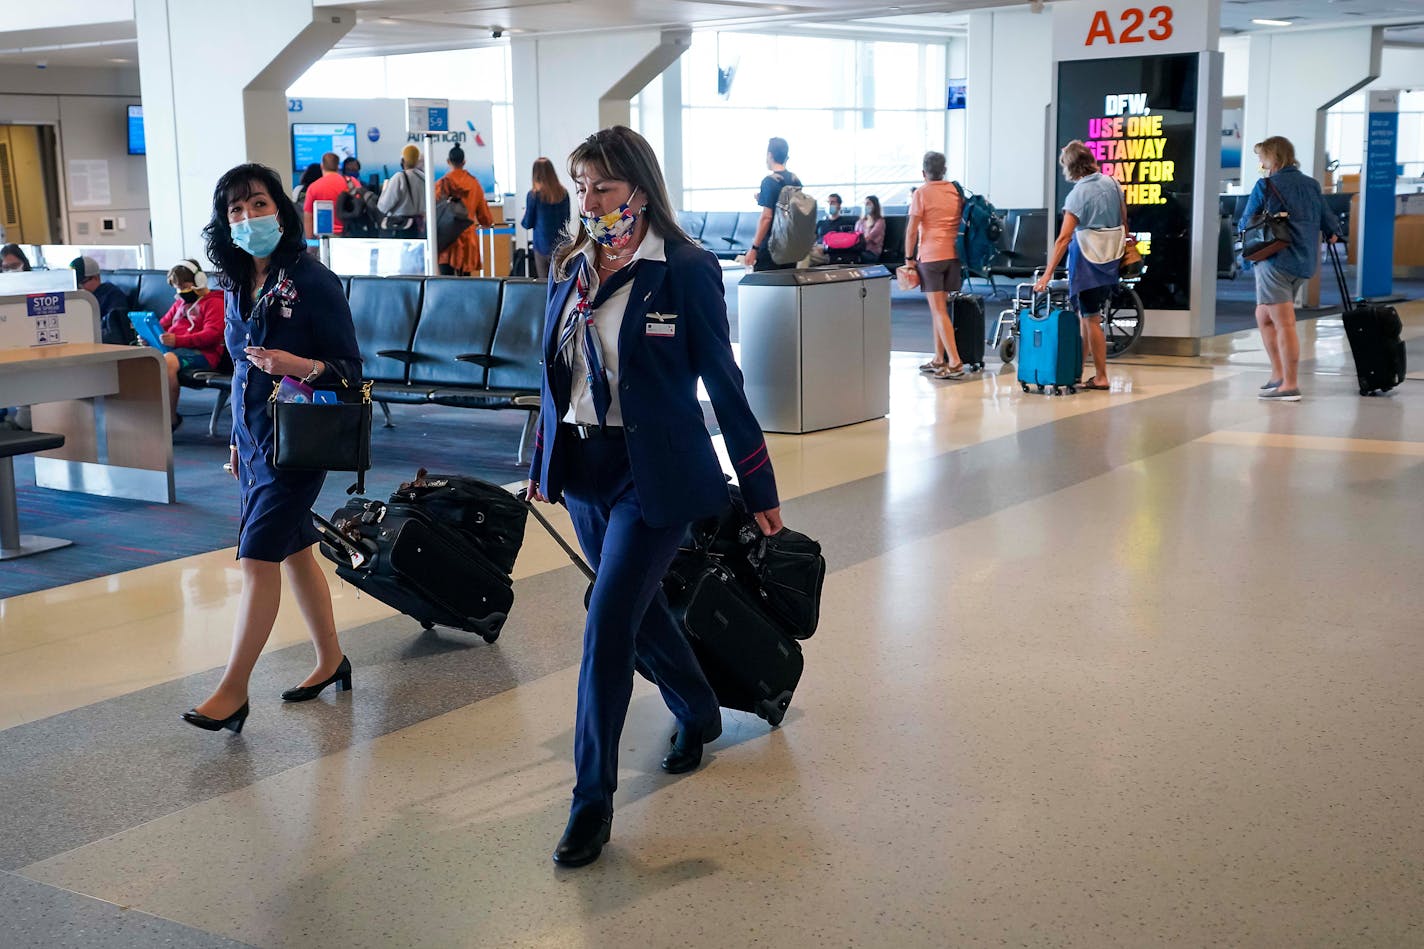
(608,321)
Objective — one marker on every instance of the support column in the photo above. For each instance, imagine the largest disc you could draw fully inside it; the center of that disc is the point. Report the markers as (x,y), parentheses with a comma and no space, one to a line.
(672,133)
(560,106)
(209,106)
(1010,83)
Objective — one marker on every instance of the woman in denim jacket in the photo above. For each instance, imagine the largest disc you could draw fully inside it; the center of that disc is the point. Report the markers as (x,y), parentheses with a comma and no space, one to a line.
(1285,187)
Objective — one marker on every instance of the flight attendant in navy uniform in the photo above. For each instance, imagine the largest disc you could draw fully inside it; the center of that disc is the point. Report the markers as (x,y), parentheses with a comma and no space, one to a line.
(286,316)
(635,317)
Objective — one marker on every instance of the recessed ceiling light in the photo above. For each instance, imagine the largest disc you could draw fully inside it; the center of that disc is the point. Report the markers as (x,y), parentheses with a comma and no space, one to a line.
(388,20)
(1260,22)
(118,59)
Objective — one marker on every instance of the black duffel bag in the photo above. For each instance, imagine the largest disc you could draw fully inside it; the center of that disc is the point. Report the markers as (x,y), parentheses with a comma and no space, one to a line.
(486,514)
(784,572)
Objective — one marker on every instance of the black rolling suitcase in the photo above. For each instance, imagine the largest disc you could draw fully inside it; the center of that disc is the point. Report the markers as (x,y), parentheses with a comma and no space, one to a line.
(748,660)
(1376,339)
(966,312)
(423,569)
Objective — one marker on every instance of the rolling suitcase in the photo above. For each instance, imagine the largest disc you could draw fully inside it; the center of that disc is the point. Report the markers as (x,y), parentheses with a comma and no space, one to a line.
(1050,348)
(1375,333)
(966,312)
(750,663)
(423,568)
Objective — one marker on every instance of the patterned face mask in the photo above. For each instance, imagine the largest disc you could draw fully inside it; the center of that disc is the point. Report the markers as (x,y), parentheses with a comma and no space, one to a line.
(614,229)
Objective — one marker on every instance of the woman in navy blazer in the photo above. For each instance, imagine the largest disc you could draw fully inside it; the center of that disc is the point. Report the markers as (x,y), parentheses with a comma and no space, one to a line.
(635,317)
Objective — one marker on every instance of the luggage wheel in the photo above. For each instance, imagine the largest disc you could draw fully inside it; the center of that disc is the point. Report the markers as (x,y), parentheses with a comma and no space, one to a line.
(1040,390)
(1025,386)
(426,625)
(1072,390)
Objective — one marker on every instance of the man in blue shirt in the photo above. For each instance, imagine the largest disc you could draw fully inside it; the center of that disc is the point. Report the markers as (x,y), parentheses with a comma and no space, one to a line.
(113,303)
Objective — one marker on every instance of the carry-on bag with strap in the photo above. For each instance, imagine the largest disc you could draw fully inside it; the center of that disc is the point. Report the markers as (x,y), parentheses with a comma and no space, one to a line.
(1376,338)
(486,514)
(322,436)
(1267,233)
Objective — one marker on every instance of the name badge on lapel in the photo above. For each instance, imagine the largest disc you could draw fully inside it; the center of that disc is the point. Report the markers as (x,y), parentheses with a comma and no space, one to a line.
(661,324)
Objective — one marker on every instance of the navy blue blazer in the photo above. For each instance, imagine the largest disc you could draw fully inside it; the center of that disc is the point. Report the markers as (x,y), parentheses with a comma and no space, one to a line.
(674,465)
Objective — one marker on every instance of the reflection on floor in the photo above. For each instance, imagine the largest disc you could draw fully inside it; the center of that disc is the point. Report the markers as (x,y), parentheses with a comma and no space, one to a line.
(1134,668)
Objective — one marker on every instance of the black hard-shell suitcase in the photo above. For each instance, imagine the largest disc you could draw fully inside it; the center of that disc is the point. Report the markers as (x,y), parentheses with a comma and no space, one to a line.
(427,570)
(1376,339)
(749,662)
(966,312)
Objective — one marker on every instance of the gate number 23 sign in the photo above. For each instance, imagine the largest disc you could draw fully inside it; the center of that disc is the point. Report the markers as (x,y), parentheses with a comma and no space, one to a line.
(1134,25)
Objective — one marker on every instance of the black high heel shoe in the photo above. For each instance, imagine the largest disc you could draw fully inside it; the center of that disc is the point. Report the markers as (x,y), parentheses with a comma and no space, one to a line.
(233,722)
(305,693)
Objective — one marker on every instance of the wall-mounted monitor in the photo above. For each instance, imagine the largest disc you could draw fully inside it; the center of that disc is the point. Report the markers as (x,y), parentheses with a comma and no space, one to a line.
(311,140)
(136,143)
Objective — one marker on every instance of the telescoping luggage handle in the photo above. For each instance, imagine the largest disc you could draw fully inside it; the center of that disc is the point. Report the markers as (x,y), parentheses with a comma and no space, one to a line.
(558,538)
(1347,301)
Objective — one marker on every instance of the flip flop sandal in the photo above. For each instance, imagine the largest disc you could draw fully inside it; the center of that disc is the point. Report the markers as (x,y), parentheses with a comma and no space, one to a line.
(1090,384)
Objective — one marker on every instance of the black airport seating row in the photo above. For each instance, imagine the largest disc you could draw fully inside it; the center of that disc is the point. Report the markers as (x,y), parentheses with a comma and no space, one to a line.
(469,342)
(729,234)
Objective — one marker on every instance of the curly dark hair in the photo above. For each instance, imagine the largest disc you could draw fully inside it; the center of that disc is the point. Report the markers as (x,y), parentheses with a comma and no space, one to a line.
(232,261)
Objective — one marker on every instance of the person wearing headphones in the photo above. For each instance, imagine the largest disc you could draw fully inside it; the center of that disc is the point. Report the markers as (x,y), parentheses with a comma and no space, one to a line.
(192,328)
(635,318)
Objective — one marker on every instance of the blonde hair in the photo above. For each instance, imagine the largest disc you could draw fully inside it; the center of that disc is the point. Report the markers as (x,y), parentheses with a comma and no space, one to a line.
(1279,151)
(1077,161)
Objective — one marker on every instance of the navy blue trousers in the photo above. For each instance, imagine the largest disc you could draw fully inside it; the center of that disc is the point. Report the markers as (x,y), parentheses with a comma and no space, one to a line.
(629,626)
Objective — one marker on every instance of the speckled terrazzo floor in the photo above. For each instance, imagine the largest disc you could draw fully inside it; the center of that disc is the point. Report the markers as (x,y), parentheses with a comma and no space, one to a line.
(1134,669)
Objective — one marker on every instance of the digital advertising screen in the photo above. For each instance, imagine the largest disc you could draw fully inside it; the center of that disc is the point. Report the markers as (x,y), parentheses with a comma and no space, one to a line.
(136,142)
(311,140)
(1138,117)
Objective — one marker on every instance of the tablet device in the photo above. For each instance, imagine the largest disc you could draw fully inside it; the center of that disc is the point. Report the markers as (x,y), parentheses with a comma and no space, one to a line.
(146,325)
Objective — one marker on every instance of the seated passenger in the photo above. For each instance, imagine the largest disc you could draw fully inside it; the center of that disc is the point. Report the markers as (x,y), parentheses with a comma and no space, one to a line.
(13,259)
(871,226)
(113,302)
(192,327)
(833,222)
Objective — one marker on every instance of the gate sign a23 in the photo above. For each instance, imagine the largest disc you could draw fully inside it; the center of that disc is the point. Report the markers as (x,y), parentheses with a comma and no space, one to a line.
(1131,21)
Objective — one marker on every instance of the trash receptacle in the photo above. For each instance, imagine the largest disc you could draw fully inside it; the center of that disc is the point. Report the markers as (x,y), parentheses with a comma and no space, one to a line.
(815,346)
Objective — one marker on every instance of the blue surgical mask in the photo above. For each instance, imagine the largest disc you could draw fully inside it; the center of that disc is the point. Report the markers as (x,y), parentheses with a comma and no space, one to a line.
(259,236)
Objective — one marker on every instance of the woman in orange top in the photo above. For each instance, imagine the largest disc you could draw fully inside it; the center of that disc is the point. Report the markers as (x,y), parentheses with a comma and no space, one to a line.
(462,257)
(935,210)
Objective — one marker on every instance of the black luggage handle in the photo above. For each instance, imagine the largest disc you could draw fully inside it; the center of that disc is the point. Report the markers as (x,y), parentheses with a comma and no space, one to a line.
(573,555)
(1347,301)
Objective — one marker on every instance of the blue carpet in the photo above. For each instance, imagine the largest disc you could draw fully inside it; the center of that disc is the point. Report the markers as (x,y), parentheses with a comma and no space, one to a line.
(114,535)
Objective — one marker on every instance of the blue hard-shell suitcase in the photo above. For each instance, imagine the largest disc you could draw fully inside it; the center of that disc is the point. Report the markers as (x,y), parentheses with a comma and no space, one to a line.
(1050,351)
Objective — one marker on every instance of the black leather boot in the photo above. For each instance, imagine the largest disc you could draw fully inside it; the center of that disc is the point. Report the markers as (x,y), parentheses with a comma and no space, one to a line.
(584,838)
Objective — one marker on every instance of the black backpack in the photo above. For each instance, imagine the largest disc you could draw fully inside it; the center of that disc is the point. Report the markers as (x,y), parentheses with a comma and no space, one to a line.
(356,209)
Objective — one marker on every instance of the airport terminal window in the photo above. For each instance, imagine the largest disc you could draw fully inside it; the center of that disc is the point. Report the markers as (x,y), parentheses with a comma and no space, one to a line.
(1345,133)
(859,115)
(480,73)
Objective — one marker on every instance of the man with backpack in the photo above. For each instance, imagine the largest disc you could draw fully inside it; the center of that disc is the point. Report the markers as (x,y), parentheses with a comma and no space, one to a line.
(787,229)
(403,198)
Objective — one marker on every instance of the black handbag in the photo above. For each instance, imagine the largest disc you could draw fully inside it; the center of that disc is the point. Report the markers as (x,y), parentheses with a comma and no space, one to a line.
(313,436)
(1267,233)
